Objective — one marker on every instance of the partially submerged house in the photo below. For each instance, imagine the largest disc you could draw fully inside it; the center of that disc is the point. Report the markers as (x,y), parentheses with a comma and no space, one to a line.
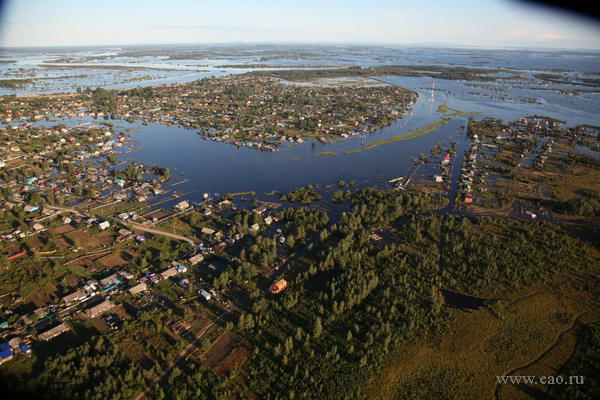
(254,228)
(182,206)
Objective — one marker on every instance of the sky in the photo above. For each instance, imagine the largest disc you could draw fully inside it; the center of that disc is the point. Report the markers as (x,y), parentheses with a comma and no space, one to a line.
(483,23)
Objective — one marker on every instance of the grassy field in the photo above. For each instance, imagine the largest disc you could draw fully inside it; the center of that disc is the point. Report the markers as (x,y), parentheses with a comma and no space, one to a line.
(531,333)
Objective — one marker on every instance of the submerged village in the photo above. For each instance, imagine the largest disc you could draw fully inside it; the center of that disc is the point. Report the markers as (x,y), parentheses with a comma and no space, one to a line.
(89,251)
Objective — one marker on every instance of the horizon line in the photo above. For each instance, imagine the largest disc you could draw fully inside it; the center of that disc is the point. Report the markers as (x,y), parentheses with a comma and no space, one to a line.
(312,43)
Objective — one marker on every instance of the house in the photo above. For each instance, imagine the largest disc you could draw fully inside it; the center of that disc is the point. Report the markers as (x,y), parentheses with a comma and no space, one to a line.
(25,350)
(254,228)
(195,259)
(205,294)
(446,160)
(110,280)
(124,235)
(51,333)
(138,288)
(168,273)
(260,209)
(207,231)
(90,290)
(15,342)
(126,275)
(40,312)
(66,220)
(181,206)
(224,203)
(468,198)
(184,283)
(74,297)
(438,178)
(38,227)
(123,216)
(6,353)
(278,286)
(268,220)
(103,225)
(99,309)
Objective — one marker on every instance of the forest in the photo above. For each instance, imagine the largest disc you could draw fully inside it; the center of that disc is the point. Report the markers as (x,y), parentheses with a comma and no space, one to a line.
(367,281)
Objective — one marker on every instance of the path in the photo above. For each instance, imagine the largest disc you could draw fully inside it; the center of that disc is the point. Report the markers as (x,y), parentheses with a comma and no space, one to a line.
(139,227)
(67,209)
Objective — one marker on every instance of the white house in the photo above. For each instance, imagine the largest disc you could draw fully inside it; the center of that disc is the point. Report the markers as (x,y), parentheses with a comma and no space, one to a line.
(205,294)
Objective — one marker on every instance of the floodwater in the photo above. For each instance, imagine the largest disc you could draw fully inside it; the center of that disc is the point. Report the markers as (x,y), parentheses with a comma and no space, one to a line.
(206,166)
(223,168)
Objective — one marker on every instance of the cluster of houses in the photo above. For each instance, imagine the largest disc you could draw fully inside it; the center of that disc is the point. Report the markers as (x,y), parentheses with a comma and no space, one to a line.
(267,107)
(13,346)
(445,166)
(51,179)
(542,156)
(468,171)
(298,116)
(98,289)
